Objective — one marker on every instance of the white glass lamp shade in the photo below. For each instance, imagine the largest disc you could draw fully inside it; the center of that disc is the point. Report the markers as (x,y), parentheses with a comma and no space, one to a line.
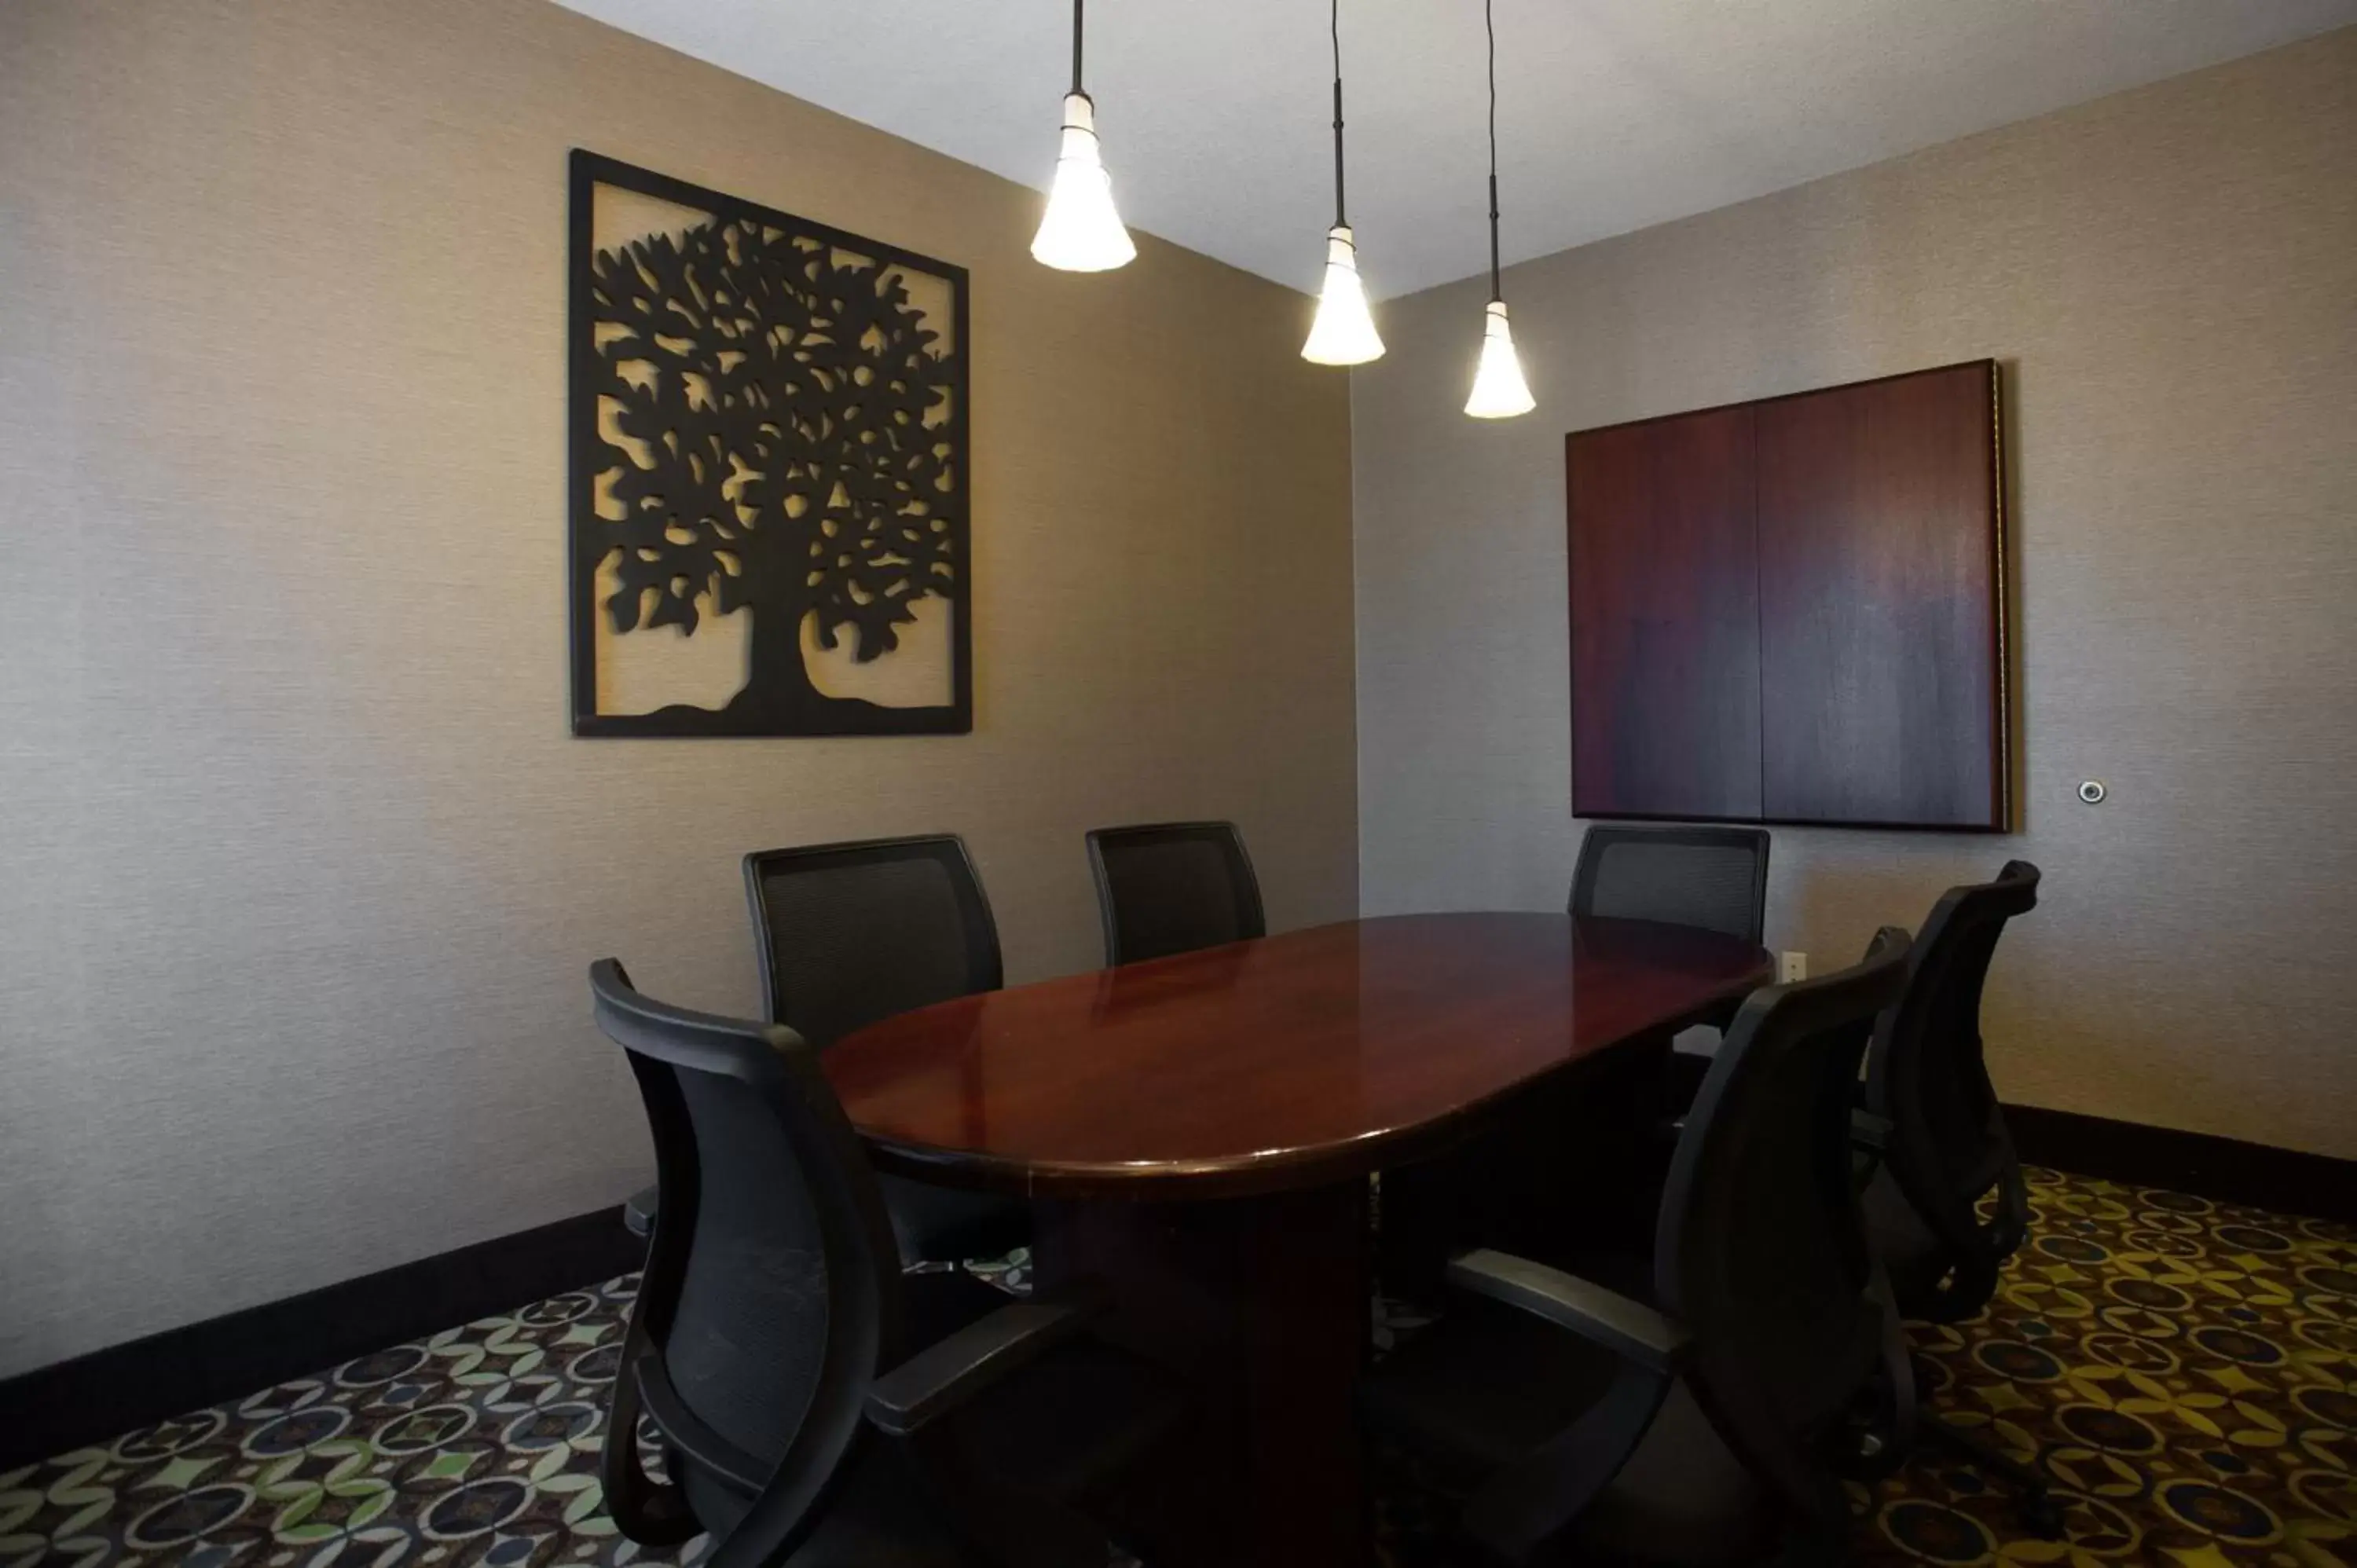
(1499,390)
(1343,333)
(1081,233)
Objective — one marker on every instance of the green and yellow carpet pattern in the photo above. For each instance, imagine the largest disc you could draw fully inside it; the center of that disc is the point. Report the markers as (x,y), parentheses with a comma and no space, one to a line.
(2184,1370)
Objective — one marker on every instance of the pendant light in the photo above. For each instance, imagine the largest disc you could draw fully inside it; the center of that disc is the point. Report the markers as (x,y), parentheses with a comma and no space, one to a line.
(1499,390)
(1343,333)
(1081,233)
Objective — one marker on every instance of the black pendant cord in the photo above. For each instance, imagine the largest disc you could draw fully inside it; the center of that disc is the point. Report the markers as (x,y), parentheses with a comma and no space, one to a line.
(1334,21)
(1076,47)
(1489,24)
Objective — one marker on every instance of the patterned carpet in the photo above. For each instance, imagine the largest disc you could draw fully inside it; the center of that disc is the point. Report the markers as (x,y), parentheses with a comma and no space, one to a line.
(2186,1372)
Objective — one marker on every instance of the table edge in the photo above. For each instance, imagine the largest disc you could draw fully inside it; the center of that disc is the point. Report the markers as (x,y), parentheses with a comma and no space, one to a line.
(1281,1170)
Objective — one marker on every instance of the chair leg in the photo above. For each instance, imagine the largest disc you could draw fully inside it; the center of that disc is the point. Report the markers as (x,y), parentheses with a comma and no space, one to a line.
(2035,1496)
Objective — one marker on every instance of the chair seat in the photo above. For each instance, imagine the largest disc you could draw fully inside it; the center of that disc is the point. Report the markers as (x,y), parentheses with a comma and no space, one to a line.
(1076,1420)
(949,1225)
(883,1520)
(938,1305)
(1060,1431)
(1682,1497)
(1488,1384)
(1483,1386)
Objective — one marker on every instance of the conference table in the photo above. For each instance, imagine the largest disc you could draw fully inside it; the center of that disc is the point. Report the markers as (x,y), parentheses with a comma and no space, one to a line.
(1197,1133)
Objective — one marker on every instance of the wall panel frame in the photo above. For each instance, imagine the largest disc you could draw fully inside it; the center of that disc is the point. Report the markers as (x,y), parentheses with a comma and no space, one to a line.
(1793,610)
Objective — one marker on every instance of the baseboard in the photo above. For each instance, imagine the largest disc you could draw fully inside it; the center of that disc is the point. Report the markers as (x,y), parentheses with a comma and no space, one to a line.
(2228,1169)
(99,1396)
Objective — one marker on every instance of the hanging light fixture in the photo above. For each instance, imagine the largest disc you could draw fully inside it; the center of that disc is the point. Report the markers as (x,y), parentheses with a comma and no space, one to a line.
(1080,231)
(1343,333)
(1499,390)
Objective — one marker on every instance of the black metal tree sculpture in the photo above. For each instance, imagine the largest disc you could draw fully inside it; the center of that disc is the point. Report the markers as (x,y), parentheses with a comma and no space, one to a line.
(791,444)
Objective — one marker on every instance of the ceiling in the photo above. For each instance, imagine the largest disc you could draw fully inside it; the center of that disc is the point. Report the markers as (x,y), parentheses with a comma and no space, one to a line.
(1613,115)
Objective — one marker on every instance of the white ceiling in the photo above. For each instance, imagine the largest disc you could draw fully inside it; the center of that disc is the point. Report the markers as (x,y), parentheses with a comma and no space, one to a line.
(1613,115)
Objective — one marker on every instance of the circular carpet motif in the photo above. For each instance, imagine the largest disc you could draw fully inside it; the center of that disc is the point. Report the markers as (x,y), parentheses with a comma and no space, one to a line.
(2185,1372)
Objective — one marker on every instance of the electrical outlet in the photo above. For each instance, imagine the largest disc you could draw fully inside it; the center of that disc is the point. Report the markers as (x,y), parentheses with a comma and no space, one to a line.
(1792,966)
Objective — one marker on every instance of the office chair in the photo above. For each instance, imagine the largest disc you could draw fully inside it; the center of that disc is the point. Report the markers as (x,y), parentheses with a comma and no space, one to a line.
(848,933)
(1942,1142)
(1713,1423)
(804,1414)
(1172,887)
(1716,878)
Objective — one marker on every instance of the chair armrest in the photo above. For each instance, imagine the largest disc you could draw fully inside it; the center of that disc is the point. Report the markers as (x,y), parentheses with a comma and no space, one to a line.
(946,1374)
(1629,1329)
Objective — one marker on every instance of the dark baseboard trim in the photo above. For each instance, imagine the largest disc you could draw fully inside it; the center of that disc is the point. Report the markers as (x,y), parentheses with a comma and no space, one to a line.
(98,1397)
(2228,1169)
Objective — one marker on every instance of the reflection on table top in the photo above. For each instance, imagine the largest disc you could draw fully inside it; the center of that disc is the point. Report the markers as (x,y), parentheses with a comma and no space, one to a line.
(1309,1057)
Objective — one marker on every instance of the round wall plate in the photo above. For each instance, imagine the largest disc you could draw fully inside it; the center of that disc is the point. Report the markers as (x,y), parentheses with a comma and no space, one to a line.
(2093,791)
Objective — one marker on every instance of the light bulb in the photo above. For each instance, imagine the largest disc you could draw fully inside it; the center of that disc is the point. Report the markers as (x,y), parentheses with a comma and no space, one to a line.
(1343,333)
(1081,233)
(1499,390)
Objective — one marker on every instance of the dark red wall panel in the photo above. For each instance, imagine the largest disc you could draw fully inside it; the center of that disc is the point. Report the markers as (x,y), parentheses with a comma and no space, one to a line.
(1877,603)
(1665,636)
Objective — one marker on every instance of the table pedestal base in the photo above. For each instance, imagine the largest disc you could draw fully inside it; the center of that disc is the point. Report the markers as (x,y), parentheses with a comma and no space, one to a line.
(1570,1168)
(1262,1304)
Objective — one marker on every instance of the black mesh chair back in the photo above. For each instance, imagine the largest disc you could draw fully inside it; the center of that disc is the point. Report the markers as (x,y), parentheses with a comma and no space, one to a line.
(771,1292)
(1760,1251)
(1716,878)
(1172,887)
(1948,1145)
(849,933)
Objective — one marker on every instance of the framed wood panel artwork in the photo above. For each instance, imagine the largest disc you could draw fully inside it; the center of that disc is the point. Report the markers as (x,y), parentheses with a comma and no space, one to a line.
(1793,610)
(770,497)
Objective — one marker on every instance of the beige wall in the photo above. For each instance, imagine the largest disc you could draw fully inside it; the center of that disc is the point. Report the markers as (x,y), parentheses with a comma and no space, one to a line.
(2170,279)
(299,869)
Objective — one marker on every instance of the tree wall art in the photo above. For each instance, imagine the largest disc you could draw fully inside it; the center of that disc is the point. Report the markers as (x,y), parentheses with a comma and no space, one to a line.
(769,498)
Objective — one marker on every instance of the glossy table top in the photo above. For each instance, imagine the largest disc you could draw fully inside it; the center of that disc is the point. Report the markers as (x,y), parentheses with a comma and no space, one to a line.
(1291,1061)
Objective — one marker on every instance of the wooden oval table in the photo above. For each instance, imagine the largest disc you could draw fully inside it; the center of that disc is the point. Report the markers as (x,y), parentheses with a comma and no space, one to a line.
(1198,1130)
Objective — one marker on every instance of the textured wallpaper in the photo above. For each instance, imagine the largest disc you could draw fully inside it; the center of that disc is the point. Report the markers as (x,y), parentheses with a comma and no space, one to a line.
(300,871)
(2169,278)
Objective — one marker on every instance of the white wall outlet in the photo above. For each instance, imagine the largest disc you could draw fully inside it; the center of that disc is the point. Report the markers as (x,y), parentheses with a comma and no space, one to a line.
(1792,966)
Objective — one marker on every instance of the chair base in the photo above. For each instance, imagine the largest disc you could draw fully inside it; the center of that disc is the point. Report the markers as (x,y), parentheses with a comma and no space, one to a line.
(2034,1494)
